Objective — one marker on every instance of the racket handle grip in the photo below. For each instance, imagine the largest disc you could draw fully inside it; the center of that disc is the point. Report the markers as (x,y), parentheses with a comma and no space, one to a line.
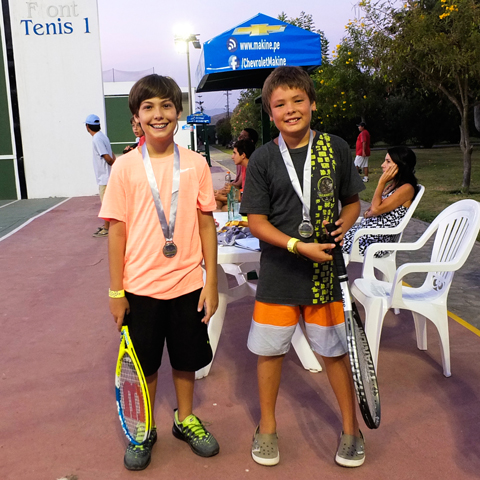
(336,252)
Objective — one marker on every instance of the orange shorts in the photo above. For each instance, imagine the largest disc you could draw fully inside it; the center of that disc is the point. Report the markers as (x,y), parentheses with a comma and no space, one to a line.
(273,327)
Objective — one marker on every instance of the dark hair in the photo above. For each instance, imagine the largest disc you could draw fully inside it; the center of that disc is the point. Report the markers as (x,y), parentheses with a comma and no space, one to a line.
(153,86)
(244,146)
(94,128)
(406,160)
(252,135)
(291,77)
(133,121)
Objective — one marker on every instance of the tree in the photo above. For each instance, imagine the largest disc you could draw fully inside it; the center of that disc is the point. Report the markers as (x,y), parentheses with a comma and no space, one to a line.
(476,116)
(224,131)
(436,41)
(347,92)
(247,114)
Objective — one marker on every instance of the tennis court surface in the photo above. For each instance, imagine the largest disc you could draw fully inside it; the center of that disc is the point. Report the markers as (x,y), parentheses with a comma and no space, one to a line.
(57,402)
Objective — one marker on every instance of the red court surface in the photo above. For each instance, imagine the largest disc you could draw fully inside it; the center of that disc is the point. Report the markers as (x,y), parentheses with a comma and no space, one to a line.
(57,403)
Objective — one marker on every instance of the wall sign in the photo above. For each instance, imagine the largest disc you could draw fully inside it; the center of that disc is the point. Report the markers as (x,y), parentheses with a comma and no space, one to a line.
(65,19)
(56,52)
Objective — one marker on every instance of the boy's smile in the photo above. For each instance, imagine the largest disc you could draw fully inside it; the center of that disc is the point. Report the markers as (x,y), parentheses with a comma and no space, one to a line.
(291,111)
(158,118)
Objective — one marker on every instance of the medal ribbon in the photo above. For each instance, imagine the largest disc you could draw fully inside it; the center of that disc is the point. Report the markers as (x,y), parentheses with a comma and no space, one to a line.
(307,175)
(169,229)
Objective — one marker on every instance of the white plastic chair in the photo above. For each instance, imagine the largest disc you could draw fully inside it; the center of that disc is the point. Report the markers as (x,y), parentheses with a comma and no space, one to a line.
(386,264)
(299,341)
(456,230)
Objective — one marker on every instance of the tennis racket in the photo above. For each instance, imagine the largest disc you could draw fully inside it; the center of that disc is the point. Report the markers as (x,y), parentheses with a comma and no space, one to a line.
(361,361)
(133,400)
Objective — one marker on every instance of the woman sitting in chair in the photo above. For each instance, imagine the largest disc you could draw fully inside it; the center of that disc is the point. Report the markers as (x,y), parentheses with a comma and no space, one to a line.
(395,192)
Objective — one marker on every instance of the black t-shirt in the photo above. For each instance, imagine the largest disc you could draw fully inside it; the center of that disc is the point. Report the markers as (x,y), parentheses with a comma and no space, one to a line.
(285,278)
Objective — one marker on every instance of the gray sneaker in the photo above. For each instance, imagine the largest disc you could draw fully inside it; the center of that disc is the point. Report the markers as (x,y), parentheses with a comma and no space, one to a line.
(101,232)
(137,457)
(265,448)
(192,431)
(351,451)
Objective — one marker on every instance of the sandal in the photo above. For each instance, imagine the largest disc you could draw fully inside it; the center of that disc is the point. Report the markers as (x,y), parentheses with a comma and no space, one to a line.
(265,448)
(351,451)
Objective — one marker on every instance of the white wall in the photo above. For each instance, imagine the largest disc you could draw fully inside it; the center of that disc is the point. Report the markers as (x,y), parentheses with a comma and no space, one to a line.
(59,80)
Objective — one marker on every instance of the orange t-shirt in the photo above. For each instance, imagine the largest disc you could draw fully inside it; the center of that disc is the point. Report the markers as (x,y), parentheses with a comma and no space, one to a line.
(128,199)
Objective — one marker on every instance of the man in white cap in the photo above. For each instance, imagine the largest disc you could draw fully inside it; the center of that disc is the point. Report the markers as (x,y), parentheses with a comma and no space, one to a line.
(103,158)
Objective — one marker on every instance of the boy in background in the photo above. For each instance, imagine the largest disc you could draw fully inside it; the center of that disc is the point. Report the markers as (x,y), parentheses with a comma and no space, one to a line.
(242,149)
(251,135)
(137,131)
(103,159)
(287,211)
(156,278)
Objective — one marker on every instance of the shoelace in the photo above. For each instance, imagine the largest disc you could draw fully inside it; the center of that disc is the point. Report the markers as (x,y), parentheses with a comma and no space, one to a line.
(140,433)
(135,448)
(196,429)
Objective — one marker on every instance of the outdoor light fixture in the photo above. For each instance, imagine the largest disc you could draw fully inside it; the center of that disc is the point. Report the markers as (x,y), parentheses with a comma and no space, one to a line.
(182,40)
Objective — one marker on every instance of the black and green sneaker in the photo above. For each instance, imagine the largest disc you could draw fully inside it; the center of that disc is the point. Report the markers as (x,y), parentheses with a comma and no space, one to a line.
(137,457)
(192,431)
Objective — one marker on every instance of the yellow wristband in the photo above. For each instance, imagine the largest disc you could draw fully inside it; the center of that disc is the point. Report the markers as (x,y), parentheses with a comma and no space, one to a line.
(292,245)
(116,293)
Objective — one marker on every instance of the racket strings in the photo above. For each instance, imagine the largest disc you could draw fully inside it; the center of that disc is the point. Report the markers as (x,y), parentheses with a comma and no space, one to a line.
(132,400)
(367,372)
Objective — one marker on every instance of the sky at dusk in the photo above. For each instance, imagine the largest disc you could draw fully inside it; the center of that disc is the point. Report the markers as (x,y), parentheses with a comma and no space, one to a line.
(139,35)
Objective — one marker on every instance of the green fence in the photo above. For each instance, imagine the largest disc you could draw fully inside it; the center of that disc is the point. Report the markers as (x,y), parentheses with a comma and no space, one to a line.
(8,188)
(119,129)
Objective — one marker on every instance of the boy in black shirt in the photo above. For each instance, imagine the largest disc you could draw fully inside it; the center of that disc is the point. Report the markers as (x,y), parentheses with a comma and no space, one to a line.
(292,190)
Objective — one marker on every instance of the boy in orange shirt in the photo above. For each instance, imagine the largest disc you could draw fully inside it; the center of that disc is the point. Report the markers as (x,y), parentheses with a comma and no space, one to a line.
(160,203)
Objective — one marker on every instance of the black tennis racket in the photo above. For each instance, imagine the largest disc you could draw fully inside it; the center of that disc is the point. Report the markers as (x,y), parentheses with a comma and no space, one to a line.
(361,361)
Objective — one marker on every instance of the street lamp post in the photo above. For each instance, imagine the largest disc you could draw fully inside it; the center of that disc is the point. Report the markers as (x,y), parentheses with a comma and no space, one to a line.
(180,41)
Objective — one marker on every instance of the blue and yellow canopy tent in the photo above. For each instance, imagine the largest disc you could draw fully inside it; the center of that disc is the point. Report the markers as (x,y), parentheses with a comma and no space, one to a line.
(244,56)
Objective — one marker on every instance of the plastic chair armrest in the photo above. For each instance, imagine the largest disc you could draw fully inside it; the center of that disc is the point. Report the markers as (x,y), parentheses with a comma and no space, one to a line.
(368,269)
(422,267)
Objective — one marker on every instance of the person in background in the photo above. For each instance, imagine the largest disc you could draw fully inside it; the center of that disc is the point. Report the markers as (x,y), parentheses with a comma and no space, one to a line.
(137,131)
(242,150)
(246,134)
(103,159)
(395,192)
(362,150)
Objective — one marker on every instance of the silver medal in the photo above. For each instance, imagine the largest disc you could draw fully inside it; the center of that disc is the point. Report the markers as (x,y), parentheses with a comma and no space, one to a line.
(169,249)
(305,229)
